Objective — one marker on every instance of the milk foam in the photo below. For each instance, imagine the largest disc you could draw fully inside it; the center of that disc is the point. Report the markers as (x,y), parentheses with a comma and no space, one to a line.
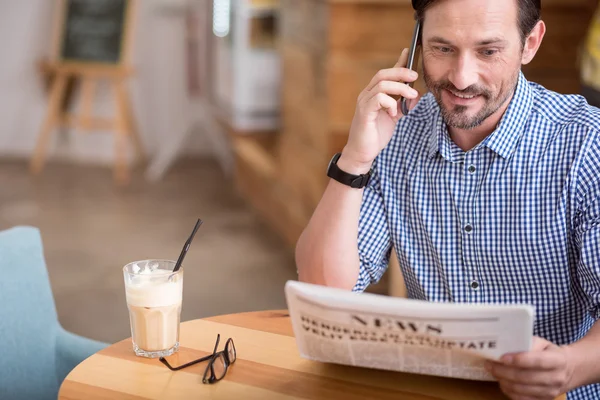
(151,288)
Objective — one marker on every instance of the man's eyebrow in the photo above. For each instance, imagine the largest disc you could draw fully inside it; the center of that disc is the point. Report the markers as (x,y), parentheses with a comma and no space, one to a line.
(486,42)
(496,40)
(439,39)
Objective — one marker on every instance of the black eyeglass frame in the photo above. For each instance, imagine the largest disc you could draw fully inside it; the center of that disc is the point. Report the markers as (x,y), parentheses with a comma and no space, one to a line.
(229,346)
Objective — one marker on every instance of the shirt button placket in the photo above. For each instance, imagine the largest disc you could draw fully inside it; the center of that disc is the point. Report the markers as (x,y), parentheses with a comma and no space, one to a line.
(468,229)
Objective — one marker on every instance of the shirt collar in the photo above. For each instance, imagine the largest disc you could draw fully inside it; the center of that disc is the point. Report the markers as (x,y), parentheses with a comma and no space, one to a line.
(504,139)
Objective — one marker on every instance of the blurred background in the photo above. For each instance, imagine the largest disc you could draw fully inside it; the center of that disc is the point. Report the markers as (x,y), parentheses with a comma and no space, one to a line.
(225,110)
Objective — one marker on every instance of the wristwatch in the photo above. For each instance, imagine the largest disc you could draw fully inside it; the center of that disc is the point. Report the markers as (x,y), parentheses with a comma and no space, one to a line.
(354,181)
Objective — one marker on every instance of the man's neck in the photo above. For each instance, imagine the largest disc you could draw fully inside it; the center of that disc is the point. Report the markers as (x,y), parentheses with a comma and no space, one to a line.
(468,139)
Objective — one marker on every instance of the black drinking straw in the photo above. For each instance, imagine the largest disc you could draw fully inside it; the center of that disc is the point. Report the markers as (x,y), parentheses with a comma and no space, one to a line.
(186,246)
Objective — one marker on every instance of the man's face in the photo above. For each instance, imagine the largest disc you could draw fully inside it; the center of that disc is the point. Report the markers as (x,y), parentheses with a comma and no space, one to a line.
(472,53)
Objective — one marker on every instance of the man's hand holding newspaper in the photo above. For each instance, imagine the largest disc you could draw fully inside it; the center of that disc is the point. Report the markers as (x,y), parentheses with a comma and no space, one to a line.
(544,372)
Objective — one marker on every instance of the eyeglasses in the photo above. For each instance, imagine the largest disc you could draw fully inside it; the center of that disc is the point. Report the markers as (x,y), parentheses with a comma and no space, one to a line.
(218,364)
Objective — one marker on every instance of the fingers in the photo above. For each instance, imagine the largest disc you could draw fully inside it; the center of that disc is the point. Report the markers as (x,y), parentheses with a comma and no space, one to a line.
(517,375)
(395,88)
(535,360)
(541,373)
(521,391)
(382,101)
(540,344)
(402,60)
(390,87)
(393,74)
(412,103)
(387,83)
(398,73)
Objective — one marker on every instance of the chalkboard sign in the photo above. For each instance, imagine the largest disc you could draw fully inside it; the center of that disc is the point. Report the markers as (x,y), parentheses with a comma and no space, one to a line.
(93,31)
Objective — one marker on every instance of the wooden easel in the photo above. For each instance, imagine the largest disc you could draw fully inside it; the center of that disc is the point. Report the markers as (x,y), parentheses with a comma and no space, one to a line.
(61,70)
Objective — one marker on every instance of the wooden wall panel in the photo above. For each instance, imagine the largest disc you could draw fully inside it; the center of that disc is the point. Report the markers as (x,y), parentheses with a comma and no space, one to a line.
(556,65)
(305,22)
(304,95)
(256,179)
(305,169)
(371,29)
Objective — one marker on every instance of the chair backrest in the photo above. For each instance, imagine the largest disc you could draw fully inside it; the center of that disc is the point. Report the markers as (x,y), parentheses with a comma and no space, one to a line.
(28,319)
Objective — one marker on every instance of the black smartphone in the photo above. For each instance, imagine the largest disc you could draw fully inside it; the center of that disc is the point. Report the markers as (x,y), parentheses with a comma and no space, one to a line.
(413,60)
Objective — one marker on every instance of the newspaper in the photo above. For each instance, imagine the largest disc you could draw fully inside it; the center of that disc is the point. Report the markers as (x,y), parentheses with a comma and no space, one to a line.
(374,331)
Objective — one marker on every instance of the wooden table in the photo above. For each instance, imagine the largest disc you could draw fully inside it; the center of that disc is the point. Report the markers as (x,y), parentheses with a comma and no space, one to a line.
(268,367)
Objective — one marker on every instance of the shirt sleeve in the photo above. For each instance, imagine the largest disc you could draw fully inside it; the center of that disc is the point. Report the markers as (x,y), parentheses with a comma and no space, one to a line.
(587,232)
(374,241)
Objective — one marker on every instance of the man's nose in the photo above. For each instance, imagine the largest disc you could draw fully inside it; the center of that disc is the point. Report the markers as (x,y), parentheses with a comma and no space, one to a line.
(464,73)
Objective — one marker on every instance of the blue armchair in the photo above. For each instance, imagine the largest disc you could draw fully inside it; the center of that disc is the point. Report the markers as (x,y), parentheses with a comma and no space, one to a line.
(36,353)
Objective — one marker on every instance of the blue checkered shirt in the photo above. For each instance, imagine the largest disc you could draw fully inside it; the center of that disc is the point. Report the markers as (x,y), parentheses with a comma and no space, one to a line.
(514,220)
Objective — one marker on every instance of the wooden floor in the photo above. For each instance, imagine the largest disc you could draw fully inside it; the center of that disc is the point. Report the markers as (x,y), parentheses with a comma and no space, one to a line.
(91,229)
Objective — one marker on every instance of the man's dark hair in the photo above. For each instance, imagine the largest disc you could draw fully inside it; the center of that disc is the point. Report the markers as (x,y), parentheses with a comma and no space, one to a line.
(529,14)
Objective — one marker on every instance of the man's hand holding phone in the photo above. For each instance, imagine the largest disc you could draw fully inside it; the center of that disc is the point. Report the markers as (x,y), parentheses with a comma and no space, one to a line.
(377,114)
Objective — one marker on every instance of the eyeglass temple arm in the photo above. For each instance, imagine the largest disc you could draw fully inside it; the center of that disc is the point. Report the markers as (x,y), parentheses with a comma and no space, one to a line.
(164,361)
(216,344)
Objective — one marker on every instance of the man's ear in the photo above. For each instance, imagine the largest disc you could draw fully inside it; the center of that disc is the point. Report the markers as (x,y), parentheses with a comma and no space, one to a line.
(533,42)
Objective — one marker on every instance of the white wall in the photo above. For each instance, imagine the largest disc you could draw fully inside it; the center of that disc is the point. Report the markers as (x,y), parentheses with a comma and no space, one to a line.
(158,90)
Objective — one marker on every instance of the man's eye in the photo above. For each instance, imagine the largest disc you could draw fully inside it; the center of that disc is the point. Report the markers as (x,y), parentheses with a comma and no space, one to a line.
(489,52)
(444,50)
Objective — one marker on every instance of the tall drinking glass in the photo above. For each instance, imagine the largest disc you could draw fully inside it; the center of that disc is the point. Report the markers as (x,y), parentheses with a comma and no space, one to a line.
(154,293)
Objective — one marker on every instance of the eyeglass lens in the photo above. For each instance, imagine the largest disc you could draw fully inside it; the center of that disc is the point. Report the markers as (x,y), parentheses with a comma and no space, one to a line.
(231,353)
(215,370)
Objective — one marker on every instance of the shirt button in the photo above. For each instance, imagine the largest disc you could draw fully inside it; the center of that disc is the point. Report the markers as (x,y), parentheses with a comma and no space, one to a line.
(468,228)
(472,169)
(474,285)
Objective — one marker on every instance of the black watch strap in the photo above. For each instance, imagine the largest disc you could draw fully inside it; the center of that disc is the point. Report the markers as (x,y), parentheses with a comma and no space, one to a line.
(354,181)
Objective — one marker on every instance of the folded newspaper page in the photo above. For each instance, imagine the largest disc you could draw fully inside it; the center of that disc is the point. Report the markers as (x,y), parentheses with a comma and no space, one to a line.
(374,331)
